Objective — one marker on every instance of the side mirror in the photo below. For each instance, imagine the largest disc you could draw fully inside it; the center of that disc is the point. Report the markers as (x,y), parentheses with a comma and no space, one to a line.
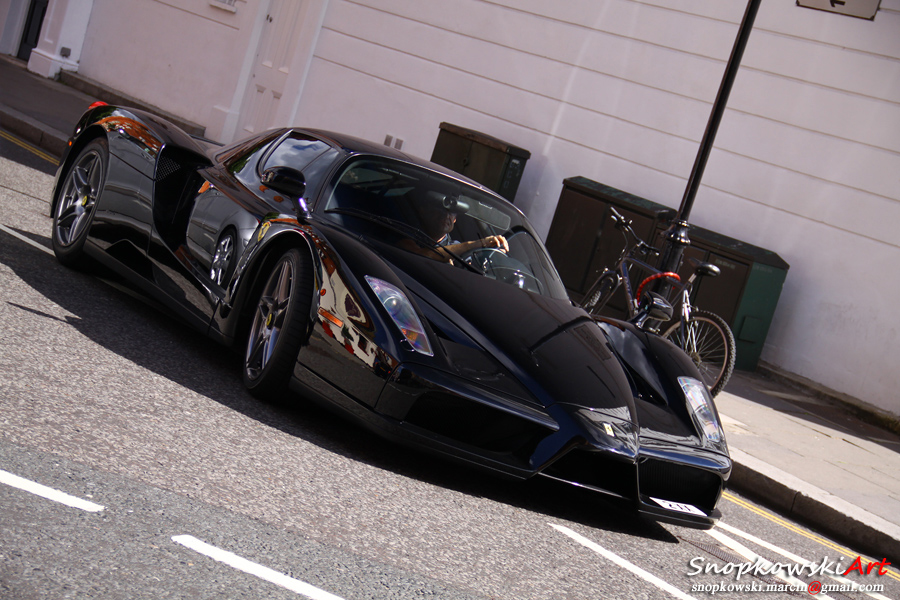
(287,181)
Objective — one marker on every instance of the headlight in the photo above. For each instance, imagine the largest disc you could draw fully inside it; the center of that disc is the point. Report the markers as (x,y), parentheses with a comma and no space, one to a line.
(700,403)
(399,307)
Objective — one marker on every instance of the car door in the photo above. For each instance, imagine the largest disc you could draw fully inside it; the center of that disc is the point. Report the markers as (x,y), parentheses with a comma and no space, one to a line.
(230,203)
(195,251)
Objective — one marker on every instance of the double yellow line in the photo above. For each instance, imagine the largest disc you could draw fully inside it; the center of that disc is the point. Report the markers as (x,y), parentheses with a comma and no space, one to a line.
(788,525)
(36,151)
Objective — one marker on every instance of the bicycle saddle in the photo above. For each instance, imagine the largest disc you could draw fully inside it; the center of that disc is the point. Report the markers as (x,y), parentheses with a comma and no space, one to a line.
(705,269)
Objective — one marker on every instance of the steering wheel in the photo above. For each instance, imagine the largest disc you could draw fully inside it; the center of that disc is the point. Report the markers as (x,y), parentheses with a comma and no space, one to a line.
(498,265)
(518,278)
(516,231)
(471,253)
(481,258)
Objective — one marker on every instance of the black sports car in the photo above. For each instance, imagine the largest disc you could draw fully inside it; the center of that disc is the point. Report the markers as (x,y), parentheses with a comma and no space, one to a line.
(414,301)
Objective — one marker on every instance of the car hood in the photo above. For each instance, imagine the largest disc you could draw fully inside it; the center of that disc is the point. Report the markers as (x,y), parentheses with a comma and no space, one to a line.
(552,347)
(544,351)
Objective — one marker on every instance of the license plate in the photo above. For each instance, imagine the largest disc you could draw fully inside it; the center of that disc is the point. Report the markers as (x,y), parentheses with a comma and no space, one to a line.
(679,507)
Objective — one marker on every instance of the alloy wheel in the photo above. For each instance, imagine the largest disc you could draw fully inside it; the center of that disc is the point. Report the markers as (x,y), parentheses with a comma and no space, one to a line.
(222,259)
(269,319)
(73,214)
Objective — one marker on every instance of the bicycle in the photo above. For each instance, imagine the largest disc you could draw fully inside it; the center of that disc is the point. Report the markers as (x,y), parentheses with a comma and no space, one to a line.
(704,336)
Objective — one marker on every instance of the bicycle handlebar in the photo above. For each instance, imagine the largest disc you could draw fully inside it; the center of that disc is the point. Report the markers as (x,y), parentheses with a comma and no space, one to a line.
(621,222)
(646,248)
(624,225)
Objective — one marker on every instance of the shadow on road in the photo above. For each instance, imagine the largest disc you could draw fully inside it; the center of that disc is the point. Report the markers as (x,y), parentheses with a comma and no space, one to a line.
(121,323)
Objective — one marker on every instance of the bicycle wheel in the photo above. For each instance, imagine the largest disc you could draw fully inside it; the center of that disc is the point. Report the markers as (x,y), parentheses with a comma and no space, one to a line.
(708,340)
(600,293)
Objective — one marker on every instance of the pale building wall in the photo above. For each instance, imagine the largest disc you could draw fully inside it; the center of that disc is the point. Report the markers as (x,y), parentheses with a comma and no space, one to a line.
(806,163)
(183,56)
(12,21)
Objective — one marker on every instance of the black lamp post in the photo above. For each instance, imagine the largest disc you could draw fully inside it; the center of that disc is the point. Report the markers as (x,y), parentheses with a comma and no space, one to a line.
(677,238)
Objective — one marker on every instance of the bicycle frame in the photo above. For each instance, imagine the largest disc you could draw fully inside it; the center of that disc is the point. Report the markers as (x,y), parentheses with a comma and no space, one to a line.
(704,336)
(632,297)
(685,293)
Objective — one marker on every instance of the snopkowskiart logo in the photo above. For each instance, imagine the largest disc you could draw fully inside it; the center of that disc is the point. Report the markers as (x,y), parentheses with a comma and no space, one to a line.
(786,577)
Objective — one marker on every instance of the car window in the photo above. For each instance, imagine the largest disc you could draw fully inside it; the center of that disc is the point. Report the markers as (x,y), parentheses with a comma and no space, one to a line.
(439,217)
(242,164)
(311,156)
(296,151)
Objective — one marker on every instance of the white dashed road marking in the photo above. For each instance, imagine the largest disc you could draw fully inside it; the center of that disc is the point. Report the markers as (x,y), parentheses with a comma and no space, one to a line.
(252,568)
(48,493)
(755,558)
(28,241)
(645,575)
(790,556)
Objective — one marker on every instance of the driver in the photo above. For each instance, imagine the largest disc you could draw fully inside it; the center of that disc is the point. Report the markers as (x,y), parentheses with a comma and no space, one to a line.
(438,220)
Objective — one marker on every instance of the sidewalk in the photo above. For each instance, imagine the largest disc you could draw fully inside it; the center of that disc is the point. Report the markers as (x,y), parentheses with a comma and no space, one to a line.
(44,112)
(40,111)
(807,456)
(798,452)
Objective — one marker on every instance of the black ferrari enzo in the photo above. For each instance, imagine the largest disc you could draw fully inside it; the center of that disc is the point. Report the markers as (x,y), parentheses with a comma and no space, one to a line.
(410,299)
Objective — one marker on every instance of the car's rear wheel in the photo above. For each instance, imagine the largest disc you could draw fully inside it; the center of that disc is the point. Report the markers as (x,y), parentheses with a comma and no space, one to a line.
(77,202)
(279,324)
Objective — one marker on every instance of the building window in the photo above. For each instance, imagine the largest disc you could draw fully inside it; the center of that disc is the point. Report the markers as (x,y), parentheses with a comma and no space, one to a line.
(224,5)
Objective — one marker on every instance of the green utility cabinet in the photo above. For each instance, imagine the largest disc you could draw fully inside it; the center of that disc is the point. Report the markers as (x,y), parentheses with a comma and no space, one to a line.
(491,162)
(745,294)
(583,241)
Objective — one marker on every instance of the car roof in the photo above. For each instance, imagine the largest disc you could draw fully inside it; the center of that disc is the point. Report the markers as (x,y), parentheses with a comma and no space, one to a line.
(355,145)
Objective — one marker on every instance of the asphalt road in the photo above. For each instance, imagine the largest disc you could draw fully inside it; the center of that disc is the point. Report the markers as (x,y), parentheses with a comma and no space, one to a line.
(178,484)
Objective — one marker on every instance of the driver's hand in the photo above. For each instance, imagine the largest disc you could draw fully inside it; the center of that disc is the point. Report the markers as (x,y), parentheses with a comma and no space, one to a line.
(495,241)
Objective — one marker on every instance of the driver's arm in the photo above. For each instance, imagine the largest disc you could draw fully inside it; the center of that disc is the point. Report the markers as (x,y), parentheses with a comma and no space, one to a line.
(498,242)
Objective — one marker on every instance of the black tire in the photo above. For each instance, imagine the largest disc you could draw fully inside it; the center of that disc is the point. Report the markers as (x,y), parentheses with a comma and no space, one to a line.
(710,345)
(279,326)
(74,210)
(223,258)
(600,293)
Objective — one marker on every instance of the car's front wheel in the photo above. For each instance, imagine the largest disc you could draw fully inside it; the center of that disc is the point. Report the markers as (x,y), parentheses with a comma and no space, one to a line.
(74,211)
(279,325)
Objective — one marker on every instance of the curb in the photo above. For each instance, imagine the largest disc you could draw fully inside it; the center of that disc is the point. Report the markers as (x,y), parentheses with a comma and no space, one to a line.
(33,131)
(809,504)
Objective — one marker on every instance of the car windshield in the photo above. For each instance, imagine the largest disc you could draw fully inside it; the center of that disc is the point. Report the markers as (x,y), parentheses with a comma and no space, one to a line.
(443,219)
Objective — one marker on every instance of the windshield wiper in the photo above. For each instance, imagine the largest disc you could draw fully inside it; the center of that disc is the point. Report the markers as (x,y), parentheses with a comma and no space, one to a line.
(418,236)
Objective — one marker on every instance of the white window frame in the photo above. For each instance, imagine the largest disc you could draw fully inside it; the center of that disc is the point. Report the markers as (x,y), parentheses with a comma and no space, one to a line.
(228,5)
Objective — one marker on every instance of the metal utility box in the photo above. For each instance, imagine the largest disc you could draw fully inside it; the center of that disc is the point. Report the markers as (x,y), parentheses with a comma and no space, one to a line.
(745,294)
(583,240)
(493,163)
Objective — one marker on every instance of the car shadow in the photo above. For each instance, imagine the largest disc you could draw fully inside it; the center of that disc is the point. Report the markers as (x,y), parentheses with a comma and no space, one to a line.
(118,320)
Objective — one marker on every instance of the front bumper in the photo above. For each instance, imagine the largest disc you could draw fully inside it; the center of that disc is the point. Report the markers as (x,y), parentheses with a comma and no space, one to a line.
(663,480)
(674,485)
